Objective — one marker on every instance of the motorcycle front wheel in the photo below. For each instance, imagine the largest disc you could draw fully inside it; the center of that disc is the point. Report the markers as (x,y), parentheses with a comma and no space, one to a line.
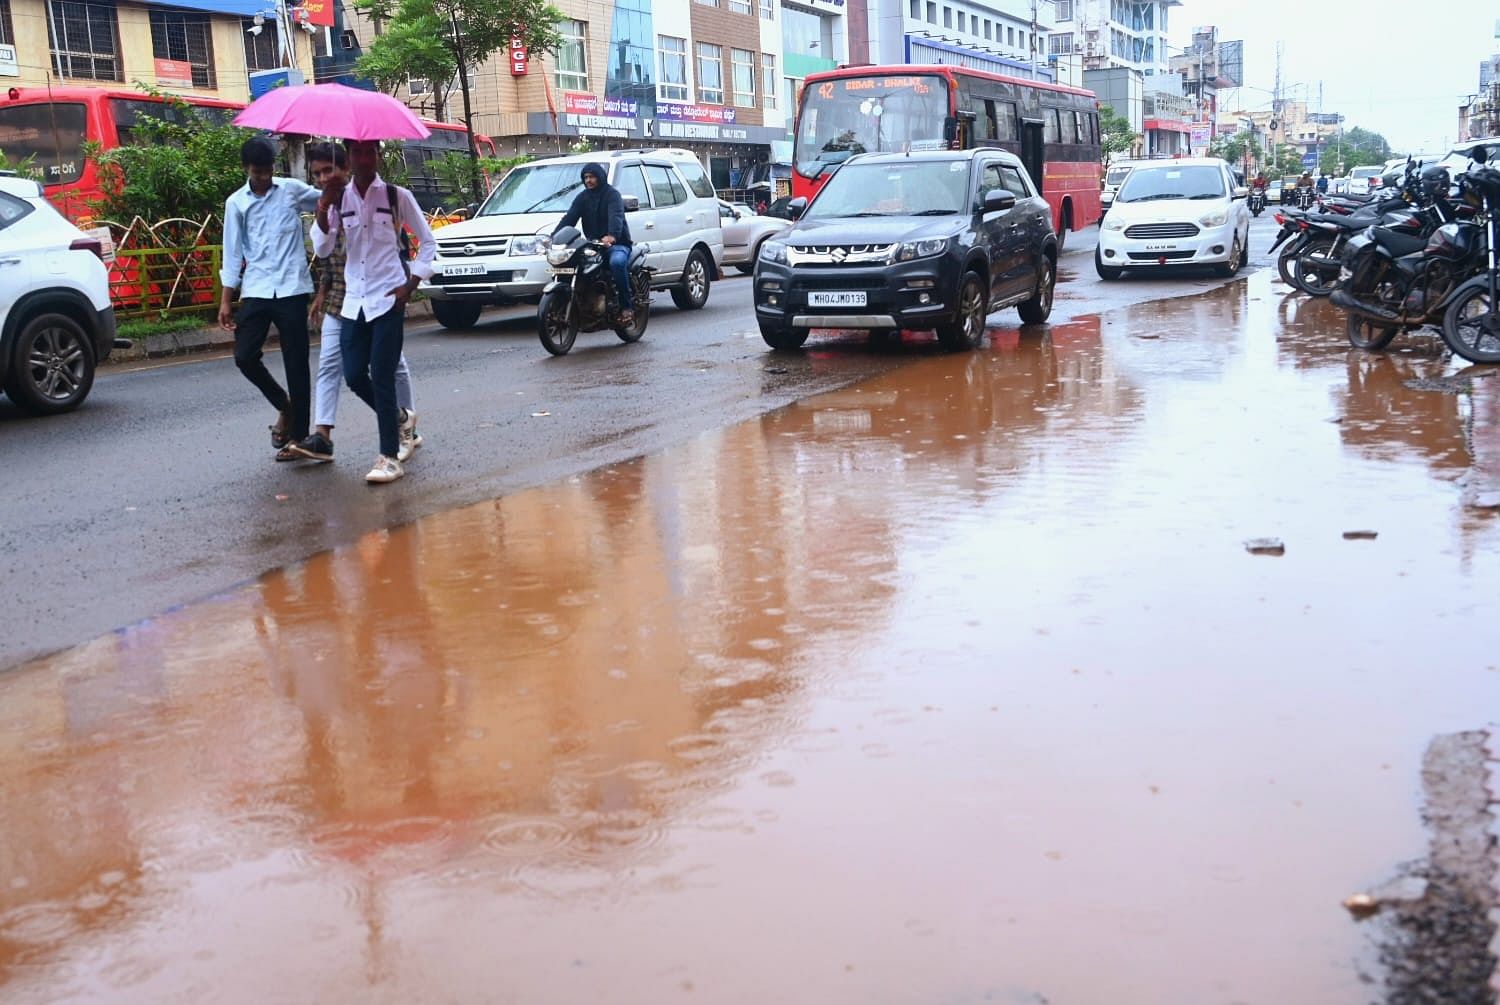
(555,325)
(1471,326)
(640,289)
(1285,261)
(1315,280)
(1366,334)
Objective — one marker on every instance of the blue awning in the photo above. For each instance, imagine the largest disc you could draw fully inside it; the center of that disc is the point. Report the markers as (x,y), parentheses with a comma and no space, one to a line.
(237,8)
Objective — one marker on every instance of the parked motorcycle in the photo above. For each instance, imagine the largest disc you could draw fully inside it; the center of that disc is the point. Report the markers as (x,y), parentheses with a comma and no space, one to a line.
(1257,200)
(582,297)
(1393,281)
(1471,322)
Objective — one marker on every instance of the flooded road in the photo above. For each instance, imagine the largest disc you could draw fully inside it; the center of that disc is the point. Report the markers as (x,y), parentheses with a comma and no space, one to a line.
(956,685)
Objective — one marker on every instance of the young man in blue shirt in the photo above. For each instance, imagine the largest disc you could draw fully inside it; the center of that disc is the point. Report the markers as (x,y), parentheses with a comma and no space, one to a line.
(265,265)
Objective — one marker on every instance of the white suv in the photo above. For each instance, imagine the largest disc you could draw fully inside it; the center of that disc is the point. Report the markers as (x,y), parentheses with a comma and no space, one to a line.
(56,322)
(498,257)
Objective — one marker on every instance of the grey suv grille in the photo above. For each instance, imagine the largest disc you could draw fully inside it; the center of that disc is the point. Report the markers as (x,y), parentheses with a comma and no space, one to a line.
(838,254)
(1156,231)
(458,247)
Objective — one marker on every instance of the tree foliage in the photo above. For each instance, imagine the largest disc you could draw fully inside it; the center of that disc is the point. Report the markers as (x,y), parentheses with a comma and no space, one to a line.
(1286,161)
(444,39)
(1232,148)
(1115,134)
(1355,148)
(182,164)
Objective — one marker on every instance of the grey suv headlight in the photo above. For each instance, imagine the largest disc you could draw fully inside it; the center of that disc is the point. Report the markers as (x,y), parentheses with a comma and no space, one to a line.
(773,251)
(919,249)
(530,245)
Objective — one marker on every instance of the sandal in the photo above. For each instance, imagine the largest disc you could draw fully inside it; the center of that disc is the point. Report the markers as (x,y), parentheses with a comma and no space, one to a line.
(289,453)
(279,437)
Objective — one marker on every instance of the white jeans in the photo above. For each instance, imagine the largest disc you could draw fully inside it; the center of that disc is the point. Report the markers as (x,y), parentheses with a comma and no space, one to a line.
(331,376)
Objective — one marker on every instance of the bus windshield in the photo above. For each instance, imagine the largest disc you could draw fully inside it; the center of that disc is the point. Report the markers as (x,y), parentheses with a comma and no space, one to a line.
(853,115)
(52,133)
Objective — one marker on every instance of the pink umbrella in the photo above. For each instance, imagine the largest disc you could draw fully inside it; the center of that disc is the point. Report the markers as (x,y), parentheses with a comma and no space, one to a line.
(347,113)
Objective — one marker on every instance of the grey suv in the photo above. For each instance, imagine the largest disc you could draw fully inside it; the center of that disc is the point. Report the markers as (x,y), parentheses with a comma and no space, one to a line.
(931,240)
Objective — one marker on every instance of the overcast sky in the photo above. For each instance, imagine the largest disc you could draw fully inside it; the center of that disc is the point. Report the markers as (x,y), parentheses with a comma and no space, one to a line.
(1399,69)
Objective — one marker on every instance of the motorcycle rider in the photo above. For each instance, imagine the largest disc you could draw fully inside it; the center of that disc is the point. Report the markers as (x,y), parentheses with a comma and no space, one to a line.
(1323,183)
(1260,181)
(600,209)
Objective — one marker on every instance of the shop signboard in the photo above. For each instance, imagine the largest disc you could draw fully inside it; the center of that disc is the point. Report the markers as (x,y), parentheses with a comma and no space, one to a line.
(592,115)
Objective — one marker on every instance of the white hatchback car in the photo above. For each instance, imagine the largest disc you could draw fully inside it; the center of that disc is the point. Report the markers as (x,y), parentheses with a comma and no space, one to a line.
(1177,212)
(499,256)
(56,322)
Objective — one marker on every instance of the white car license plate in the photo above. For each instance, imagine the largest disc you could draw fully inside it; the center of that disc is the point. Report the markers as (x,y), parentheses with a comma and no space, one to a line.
(836,299)
(1161,247)
(476,269)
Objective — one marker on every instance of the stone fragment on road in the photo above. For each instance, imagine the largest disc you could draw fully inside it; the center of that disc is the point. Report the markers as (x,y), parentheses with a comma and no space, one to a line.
(1265,546)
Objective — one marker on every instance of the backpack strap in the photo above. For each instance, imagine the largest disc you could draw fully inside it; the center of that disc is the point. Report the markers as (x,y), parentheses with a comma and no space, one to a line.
(403,244)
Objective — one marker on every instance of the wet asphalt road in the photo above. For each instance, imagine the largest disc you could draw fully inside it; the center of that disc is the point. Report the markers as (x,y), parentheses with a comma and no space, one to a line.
(161,489)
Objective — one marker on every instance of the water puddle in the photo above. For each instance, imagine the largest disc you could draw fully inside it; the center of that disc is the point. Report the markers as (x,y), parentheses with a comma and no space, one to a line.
(958,681)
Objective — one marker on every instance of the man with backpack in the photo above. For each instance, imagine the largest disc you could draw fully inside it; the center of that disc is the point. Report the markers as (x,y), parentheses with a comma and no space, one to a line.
(329,165)
(379,278)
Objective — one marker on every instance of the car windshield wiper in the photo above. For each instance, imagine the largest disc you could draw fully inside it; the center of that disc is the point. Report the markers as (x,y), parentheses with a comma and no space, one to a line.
(868,212)
(1159,195)
(1207,195)
(936,212)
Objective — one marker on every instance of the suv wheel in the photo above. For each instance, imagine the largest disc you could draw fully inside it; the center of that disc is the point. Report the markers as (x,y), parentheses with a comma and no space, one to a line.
(967,328)
(783,338)
(692,292)
(1039,307)
(53,367)
(455,316)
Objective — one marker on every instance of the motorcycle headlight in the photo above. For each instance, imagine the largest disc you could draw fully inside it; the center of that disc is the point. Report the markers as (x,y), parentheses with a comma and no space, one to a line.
(1114,223)
(559,255)
(910,250)
(1214,219)
(773,251)
(530,245)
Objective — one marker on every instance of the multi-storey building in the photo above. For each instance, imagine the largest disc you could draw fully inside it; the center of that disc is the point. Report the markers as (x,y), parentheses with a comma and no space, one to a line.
(1000,36)
(203,47)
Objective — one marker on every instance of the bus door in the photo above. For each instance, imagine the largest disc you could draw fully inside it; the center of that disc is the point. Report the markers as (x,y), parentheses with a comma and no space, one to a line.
(1031,151)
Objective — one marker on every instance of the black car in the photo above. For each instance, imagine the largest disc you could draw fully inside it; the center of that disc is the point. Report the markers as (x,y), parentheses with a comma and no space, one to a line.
(930,240)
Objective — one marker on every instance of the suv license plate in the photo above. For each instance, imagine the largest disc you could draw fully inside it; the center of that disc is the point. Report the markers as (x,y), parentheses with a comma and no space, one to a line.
(836,299)
(477,269)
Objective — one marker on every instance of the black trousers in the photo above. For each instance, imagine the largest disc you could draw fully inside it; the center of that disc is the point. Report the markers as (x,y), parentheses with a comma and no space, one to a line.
(252,325)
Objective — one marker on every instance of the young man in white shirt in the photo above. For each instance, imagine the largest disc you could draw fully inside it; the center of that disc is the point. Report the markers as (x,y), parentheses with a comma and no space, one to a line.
(377,284)
(265,265)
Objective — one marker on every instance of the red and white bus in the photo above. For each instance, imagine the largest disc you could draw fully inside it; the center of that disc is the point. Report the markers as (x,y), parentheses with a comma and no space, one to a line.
(51,126)
(1053,128)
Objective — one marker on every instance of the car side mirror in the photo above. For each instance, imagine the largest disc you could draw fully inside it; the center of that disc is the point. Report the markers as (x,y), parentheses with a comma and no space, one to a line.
(1241,192)
(796,208)
(632,203)
(998,199)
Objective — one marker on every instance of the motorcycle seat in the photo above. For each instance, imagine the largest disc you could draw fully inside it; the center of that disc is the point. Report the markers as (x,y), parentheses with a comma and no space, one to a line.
(1398,244)
(637,253)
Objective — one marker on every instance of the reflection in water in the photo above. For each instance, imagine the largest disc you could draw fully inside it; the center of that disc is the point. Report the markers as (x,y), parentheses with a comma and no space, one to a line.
(956,680)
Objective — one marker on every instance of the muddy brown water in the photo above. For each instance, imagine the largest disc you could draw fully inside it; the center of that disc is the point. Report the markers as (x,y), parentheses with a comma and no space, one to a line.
(957,685)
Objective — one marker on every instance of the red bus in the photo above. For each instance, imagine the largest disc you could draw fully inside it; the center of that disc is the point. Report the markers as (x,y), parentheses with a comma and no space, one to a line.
(1054,129)
(51,126)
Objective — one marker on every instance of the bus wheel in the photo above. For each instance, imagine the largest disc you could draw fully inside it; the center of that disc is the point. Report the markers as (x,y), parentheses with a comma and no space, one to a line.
(1065,226)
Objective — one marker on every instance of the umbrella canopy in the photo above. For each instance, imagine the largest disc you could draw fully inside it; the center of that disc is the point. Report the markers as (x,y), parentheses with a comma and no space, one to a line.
(347,113)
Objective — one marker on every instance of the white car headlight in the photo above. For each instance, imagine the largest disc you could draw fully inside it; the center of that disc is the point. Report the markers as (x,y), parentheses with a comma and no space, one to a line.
(919,249)
(1114,223)
(773,251)
(559,255)
(1214,219)
(530,245)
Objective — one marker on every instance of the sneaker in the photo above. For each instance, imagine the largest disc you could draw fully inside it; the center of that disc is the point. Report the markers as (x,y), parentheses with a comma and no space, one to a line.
(410,438)
(316,447)
(386,469)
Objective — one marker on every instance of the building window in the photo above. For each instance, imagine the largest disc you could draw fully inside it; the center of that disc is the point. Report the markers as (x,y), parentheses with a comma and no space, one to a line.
(987,28)
(916,10)
(768,79)
(931,12)
(708,3)
(1063,10)
(85,40)
(187,38)
(962,21)
(572,56)
(739,6)
(7,31)
(768,10)
(261,49)
(1023,40)
(742,67)
(1060,45)
(1010,37)
(710,74)
(671,68)
(947,17)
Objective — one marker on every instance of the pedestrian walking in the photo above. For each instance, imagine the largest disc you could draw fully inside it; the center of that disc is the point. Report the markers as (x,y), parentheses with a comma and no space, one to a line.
(329,164)
(372,215)
(265,267)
